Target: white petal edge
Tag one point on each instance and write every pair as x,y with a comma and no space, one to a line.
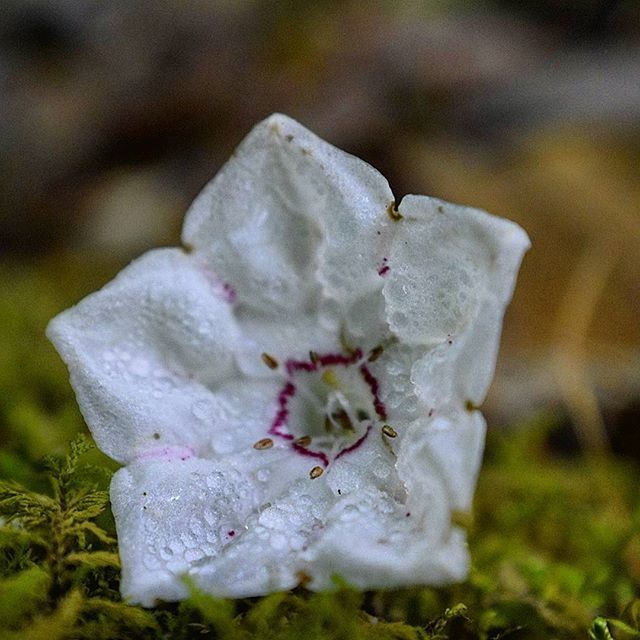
452,274
144,351
283,213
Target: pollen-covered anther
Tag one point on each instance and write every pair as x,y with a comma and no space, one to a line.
389,431
316,472
270,361
303,441
264,443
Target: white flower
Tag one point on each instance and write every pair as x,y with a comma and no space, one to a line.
294,394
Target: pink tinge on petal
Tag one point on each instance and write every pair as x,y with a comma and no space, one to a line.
230,292
220,288
167,454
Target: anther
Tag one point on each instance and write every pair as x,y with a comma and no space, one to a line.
362,415
343,419
270,361
303,441
389,431
314,357
265,443
328,426
316,472
375,353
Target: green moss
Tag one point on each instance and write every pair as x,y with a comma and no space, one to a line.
555,542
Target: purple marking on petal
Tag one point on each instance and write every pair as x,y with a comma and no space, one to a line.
231,533
355,445
230,292
300,365
287,392
372,381
279,425
167,454
332,359
311,454
384,268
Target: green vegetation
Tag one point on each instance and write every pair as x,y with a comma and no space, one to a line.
555,540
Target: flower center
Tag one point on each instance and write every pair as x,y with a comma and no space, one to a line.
328,404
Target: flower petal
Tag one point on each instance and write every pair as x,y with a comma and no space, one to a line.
452,273
172,515
386,529
267,557
286,208
370,541
145,351
448,446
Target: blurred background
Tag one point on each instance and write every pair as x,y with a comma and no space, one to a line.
113,115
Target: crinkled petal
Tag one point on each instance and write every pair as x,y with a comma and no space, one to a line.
452,273
145,351
371,540
289,212
172,515
268,556
449,446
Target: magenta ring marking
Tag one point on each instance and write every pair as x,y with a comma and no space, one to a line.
312,454
372,381
279,424
356,444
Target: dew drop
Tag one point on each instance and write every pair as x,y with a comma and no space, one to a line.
263,475
200,409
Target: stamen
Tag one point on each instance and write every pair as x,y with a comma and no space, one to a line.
328,425
265,443
362,415
375,353
314,357
389,431
304,441
343,419
316,472
270,361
